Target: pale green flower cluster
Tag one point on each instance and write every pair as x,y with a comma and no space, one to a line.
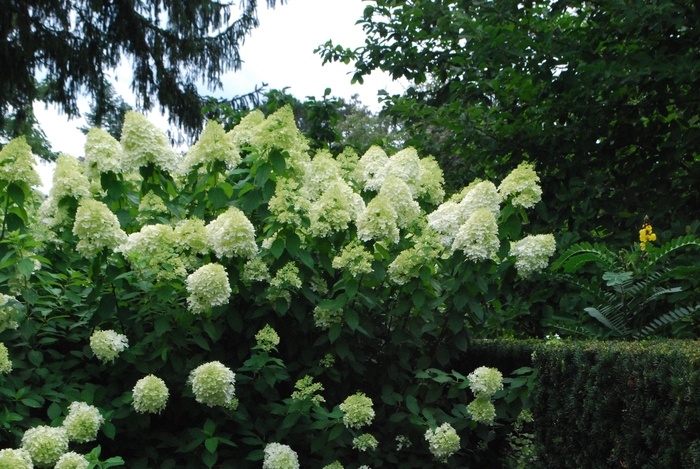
150,207
45,444
523,185
15,459
357,410
485,381
279,456
482,410
5,362
354,258
289,203
370,170
325,318
150,395
400,194
143,144
72,460
96,228
408,263
213,145
402,442
17,163
405,165
335,209
213,384
442,441
431,181
267,338
478,236
103,154
152,251
365,442
446,220
69,179
307,389
7,313
378,221
483,194
279,130
191,235
242,134
255,270
231,235
532,253
83,422
321,172
334,465
107,344
327,361
208,286
287,277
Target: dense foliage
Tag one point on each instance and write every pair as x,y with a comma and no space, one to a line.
253,302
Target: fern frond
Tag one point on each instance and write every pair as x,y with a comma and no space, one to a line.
668,318
669,247
579,254
616,324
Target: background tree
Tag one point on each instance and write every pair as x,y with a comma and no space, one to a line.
55,51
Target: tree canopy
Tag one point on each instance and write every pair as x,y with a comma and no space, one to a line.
75,44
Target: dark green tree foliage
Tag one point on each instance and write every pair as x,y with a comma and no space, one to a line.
107,113
602,96
75,44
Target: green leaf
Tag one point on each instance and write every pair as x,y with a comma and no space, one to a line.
211,444
217,197
26,267
35,357
336,431
334,332
292,243
352,318
109,430
277,248
278,161
412,405
54,411
16,194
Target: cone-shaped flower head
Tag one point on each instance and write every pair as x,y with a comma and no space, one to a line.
213,145
191,235
280,131
289,202
365,442
7,313
400,195
103,154
72,460
231,235
478,236
96,227
249,126
357,410
267,338
213,384
371,169
480,195
405,165
485,381
5,362
106,345
431,181
482,410
69,179
378,221
279,456
354,258
207,287
442,441
143,143
337,207
255,270
15,459
17,163
153,251
532,253
83,422
522,184
446,220
321,172
45,444
150,395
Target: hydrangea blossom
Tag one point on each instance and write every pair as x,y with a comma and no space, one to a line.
72,460
255,270
357,410
103,153
45,444
96,228
485,381
213,145
279,456
402,441
532,253
431,181
17,163
151,251
322,171
15,459
69,179
523,185
213,384
408,263
150,207
307,389
354,258
286,277
191,235
327,361
378,221
478,236
334,465
334,209
83,422
250,125
442,441
371,168
480,195
325,318
365,442
208,286
150,395
267,338
231,235
5,362
446,220
405,165
289,202
143,144
482,410
107,344
7,313
400,195
279,130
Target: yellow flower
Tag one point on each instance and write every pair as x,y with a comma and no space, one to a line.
646,234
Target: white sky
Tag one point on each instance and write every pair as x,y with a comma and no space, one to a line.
279,53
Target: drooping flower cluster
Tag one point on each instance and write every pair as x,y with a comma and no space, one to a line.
143,143
15,459
107,344
357,410
45,444
307,389
208,286
17,163
378,221
443,441
365,442
279,456
96,227
335,209
5,362
267,338
83,422
150,395
478,236
72,460
484,383
532,253
213,384
232,235
523,185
